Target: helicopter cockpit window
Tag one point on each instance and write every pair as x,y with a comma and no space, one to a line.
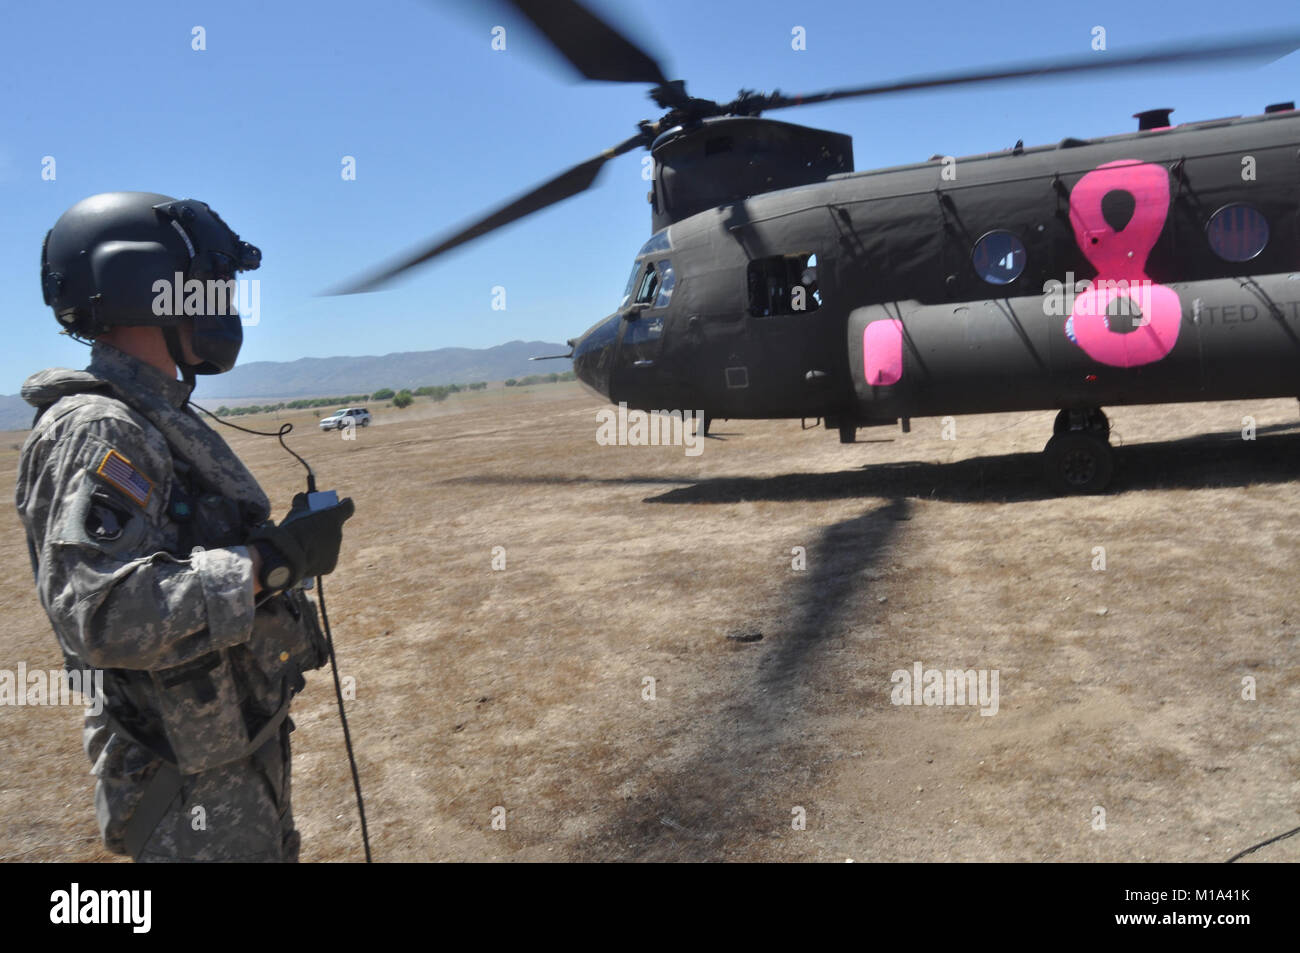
657,243
784,284
630,287
999,257
1237,232
635,281
666,282
648,286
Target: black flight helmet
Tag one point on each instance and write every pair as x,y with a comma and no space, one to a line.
130,258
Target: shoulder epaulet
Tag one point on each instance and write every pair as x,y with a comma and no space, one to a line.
41,410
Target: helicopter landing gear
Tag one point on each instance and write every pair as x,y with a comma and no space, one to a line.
1079,458
1091,419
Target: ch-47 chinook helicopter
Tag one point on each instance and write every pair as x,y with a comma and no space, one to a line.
1157,266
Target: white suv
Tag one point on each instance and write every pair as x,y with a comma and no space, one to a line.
349,416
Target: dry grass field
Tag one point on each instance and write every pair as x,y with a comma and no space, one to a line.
524,688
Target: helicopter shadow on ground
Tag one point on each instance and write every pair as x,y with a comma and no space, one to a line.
1192,463
735,781
1199,462
728,795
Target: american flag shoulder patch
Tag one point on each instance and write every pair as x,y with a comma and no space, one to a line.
117,470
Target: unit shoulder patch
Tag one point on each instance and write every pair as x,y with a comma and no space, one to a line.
118,472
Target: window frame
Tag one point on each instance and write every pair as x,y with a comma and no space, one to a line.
647,292
1209,224
1023,249
761,269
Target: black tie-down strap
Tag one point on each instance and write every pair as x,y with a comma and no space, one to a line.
159,794
167,782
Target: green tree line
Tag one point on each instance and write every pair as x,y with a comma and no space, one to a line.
402,398
541,379
302,404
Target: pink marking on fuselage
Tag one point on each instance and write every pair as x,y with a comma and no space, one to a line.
882,352
1122,257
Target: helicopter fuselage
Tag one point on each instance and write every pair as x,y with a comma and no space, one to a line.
1151,267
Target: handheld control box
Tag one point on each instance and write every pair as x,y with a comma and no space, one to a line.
322,500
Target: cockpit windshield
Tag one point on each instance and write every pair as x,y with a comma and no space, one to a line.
658,244
651,283
631,285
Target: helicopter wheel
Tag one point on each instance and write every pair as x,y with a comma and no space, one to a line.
1078,461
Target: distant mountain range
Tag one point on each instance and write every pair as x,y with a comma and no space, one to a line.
15,413
328,376
339,376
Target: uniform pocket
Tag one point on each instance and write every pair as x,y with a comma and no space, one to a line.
287,638
200,707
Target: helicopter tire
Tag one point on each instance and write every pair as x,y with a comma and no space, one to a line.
1078,462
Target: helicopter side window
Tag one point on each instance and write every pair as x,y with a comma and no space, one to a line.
1237,232
999,257
784,284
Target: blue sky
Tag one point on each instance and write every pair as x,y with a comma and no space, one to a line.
442,128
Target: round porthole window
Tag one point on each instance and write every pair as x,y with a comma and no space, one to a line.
1237,232
999,258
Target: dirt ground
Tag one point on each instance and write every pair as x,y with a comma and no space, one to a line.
1120,690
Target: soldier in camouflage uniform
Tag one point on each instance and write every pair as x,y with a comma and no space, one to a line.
152,549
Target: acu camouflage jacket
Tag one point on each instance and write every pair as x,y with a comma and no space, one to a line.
136,512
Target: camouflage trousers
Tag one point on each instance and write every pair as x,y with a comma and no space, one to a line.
236,813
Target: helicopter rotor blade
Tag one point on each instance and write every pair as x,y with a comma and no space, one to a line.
1192,54
565,185
595,48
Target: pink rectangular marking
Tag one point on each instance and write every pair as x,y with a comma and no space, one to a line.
882,352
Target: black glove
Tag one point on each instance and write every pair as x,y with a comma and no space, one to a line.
308,540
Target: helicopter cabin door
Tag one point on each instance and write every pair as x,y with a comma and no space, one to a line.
794,334
643,328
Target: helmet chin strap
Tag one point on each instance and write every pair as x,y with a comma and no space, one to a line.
173,339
